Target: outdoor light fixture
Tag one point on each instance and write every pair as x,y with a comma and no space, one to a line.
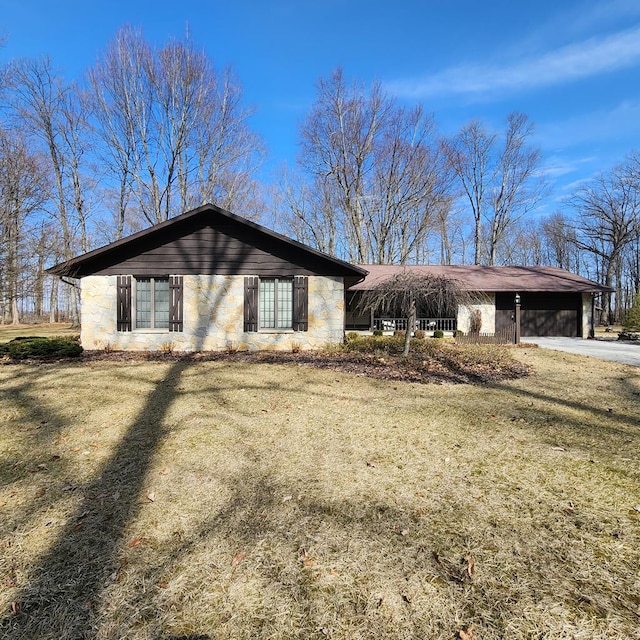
517,298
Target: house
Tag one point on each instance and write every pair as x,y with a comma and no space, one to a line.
210,280
553,302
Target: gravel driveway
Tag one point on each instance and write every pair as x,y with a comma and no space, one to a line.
626,352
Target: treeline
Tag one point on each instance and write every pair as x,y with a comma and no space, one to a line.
151,132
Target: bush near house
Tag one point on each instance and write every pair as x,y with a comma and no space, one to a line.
632,316
39,348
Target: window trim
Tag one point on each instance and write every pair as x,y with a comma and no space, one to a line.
276,281
134,300
300,317
126,308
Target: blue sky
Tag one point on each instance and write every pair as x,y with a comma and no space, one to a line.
572,66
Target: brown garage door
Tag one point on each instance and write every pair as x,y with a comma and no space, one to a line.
542,314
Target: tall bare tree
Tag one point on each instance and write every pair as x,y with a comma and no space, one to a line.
377,168
499,176
174,131
607,220
22,193
47,110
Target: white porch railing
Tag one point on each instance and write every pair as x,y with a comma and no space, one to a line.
424,324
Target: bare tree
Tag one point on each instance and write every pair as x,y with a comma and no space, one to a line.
307,212
607,220
174,133
405,292
22,192
559,239
499,176
376,170
47,110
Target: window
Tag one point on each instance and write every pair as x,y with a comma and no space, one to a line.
276,304
157,303
152,303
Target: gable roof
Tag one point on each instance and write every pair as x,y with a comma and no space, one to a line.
489,279
219,237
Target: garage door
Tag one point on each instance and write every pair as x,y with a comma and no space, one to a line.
542,314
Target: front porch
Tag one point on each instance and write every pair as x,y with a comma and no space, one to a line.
390,324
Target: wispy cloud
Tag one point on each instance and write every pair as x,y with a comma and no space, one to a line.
620,124
572,62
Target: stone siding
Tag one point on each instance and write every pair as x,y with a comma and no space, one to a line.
213,318
486,304
586,314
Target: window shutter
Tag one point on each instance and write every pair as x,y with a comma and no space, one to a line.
175,303
301,303
251,303
124,303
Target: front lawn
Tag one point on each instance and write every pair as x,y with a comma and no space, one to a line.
228,498
59,329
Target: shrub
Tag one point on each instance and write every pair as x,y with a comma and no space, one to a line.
399,333
419,334
438,333
632,316
4,349
377,333
43,348
352,335
375,344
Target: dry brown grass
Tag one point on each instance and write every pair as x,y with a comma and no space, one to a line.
9,331
213,499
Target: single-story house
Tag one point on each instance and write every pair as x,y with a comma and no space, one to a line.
553,302
210,280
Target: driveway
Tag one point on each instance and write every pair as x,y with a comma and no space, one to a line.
628,353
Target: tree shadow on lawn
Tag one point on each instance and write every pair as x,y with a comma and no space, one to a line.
620,424
275,563
59,600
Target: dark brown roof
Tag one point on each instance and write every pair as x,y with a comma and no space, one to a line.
489,279
206,240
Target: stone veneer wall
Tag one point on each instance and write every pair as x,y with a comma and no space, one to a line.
586,314
486,304
213,318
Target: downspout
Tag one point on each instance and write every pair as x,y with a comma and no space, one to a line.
592,325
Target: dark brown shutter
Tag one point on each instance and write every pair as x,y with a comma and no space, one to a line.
301,303
124,303
175,303
251,303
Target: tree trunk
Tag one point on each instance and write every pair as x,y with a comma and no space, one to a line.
53,301
411,323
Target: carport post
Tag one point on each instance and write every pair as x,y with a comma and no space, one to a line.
517,332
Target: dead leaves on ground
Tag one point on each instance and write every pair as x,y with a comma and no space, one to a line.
466,634
461,572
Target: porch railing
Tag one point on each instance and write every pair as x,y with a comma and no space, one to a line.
424,324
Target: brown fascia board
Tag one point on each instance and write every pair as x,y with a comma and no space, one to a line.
73,267
492,279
